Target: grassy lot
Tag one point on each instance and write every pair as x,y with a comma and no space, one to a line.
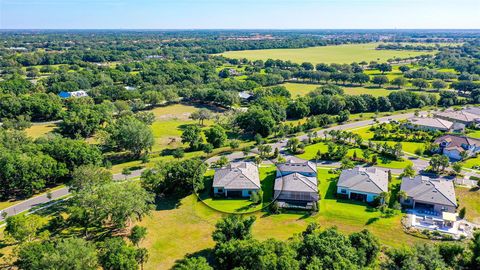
311,151
469,163
342,54
469,198
177,228
302,89
36,131
267,178
474,134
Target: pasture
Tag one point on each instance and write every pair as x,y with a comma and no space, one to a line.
341,54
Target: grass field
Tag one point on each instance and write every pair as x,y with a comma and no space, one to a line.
311,151
237,206
302,89
469,199
474,134
36,131
341,54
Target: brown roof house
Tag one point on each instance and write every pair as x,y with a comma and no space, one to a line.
236,180
362,183
453,146
433,195
296,184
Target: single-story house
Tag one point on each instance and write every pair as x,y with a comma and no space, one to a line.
434,124
453,145
463,117
245,95
74,94
296,184
236,180
425,193
362,183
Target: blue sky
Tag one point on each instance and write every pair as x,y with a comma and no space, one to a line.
239,14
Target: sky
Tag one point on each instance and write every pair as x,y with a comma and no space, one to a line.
239,14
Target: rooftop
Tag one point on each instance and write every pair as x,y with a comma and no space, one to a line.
429,190
242,175
370,180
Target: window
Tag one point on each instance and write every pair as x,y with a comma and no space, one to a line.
406,201
220,190
344,191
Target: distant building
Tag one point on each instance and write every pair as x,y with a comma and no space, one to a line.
296,184
473,110
129,88
434,124
362,184
464,117
424,193
75,94
236,180
453,145
245,95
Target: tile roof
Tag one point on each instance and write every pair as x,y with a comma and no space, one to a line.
426,189
242,175
296,182
457,141
370,180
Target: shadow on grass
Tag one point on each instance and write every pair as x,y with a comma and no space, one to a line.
372,220
167,203
205,253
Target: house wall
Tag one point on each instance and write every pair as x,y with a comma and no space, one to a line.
245,192
410,202
345,191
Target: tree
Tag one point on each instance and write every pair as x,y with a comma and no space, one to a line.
380,80
367,246
293,144
191,135
457,167
198,263
89,176
207,148
307,66
265,150
175,177
420,83
462,213
257,121
233,227
439,162
384,67
201,115
141,256
404,68
234,144
297,109
114,253
439,84
61,254
23,228
408,171
145,117
399,82
137,234
402,195
114,204
347,163
178,153
216,136
130,134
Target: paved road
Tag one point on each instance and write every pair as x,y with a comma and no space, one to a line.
57,194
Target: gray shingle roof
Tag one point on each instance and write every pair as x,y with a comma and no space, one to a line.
473,110
463,115
432,122
292,166
425,189
370,180
242,175
296,182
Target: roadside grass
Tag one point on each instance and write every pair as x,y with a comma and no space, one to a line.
469,198
39,130
311,152
241,205
341,54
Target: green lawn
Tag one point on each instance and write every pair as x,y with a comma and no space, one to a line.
469,163
36,131
469,198
474,134
302,89
341,54
311,151
237,206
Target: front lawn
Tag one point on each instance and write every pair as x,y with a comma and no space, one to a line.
240,205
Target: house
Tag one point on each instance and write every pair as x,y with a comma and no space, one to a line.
296,184
434,124
464,117
428,194
454,145
129,88
75,94
245,95
236,180
473,110
362,183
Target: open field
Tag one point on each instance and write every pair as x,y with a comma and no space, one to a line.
183,227
38,130
341,54
302,89
311,151
239,205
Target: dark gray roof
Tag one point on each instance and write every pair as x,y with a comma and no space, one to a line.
425,189
242,175
296,182
369,180
292,166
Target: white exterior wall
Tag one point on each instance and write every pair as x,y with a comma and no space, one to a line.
370,196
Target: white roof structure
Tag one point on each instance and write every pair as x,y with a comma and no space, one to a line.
242,175
432,122
429,190
364,179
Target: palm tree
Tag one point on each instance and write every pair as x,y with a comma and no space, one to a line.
402,195
384,197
